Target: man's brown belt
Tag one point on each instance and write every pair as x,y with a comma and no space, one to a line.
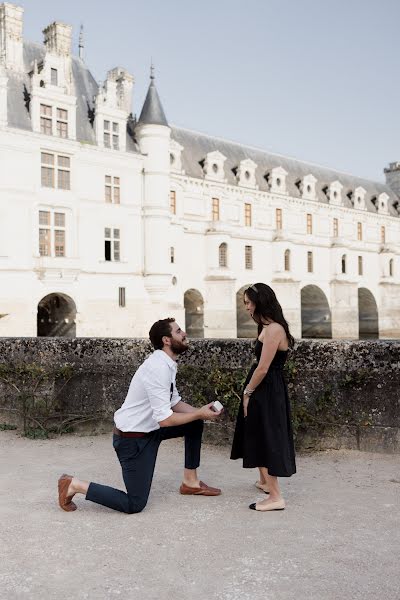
129,434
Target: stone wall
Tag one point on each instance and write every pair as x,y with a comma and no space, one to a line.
343,394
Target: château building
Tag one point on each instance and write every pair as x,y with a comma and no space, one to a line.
108,222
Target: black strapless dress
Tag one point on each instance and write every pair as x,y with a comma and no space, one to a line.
265,437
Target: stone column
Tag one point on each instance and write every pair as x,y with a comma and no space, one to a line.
287,291
344,309
389,310
220,307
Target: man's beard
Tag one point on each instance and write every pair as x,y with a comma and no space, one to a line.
178,347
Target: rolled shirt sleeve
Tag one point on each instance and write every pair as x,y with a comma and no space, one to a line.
157,384
175,395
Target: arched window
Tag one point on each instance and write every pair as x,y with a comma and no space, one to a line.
344,263
223,255
287,260
391,267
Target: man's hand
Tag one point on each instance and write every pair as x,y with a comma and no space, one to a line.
207,414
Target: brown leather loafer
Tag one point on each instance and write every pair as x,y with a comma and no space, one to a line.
65,501
203,490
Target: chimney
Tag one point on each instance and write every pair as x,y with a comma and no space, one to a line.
11,42
58,38
392,173
124,87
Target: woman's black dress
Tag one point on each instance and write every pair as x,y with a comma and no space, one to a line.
265,438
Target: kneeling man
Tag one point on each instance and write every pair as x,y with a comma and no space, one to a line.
152,412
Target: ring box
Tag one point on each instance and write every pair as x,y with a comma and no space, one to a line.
217,406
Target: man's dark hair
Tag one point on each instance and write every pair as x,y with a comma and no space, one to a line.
158,330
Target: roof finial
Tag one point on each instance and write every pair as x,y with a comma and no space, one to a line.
81,43
152,77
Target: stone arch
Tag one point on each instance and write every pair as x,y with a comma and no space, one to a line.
56,316
194,313
245,326
368,324
316,321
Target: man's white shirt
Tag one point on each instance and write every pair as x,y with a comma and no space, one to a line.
149,398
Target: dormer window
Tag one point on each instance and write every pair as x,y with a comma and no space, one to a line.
175,154
383,203
213,166
46,121
246,173
307,187
359,198
53,76
276,180
334,193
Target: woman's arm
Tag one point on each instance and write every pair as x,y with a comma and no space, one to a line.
271,338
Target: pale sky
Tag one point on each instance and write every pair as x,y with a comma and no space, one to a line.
317,80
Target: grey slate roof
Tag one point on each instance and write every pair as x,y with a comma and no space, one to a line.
85,90
198,145
152,111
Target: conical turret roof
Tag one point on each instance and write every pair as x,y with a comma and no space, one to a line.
152,111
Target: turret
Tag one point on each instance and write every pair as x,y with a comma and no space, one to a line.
153,136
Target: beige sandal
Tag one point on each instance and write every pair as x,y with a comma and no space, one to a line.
262,486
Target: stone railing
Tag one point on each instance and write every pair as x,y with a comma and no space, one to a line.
343,394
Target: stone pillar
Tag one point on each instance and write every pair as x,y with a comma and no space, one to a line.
389,310
289,297
344,309
220,307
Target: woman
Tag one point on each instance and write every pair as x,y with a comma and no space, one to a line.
263,435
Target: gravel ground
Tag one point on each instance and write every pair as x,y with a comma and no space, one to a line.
339,537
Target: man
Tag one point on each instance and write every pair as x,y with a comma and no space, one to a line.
152,412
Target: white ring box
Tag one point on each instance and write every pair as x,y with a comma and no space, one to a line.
217,406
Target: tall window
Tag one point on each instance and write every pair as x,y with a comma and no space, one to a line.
310,265
60,128
215,209
172,202
172,254
335,227
344,263
223,255
54,77
247,215
112,189
51,233
121,297
46,119
278,218
111,244
62,123
309,223
391,267
360,265
383,234
359,231
287,260
248,257
111,134
55,171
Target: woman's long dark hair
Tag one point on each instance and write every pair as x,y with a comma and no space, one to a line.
267,307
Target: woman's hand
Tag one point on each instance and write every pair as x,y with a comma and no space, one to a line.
246,399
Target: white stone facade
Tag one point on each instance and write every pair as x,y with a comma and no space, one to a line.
142,220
